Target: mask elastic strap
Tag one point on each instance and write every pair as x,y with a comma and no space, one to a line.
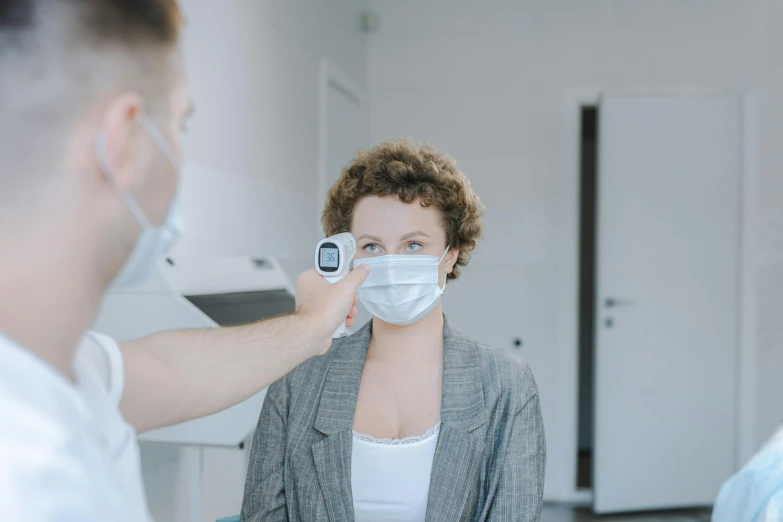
160,140
101,148
444,254
439,262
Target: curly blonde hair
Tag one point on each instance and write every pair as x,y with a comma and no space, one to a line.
411,171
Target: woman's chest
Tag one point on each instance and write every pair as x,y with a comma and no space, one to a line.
398,402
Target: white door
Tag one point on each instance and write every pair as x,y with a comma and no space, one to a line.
668,272
346,129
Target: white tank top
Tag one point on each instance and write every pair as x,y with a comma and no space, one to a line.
390,478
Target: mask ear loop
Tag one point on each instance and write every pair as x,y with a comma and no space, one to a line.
444,254
439,262
160,140
157,137
101,153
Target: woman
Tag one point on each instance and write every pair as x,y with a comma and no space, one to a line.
405,420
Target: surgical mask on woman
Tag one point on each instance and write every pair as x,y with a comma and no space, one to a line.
154,241
401,289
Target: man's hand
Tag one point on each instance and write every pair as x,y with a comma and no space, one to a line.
325,306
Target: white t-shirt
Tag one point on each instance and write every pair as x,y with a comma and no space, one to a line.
390,478
66,452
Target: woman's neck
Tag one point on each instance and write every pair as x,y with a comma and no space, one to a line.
420,341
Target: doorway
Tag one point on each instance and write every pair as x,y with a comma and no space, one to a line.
588,167
662,165
666,308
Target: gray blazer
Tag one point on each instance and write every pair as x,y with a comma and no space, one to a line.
489,460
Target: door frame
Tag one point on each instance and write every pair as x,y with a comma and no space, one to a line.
330,76
564,487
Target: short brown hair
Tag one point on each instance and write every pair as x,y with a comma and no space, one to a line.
107,21
58,57
410,171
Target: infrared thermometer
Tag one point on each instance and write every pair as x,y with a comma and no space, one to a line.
333,260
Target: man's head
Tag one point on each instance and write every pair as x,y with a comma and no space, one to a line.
71,70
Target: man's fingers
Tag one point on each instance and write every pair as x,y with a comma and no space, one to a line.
356,277
307,276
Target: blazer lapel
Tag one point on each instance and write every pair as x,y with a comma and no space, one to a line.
459,453
333,465
336,410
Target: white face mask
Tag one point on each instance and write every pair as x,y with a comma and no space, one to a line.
401,289
154,241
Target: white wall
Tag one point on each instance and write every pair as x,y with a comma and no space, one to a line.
253,72
488,82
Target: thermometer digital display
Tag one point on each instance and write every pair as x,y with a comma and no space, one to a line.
333,259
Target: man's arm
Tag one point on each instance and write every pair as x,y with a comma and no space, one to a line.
174,376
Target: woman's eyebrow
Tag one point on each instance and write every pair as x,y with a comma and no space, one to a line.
367,236
414,234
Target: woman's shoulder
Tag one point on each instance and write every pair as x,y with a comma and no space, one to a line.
312,372
504,366
505,376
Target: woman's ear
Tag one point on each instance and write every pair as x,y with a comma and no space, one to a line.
451,259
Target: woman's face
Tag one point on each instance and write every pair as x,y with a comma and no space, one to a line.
385,226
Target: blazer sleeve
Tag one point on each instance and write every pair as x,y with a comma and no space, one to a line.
521,483
264,499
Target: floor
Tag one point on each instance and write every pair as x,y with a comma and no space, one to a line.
565,513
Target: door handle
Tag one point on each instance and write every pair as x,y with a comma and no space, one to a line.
612,302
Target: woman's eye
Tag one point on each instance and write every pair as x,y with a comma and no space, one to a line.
371,248
413,247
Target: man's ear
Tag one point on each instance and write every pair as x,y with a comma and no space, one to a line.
120,131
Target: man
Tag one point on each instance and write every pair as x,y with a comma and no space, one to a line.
92,101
